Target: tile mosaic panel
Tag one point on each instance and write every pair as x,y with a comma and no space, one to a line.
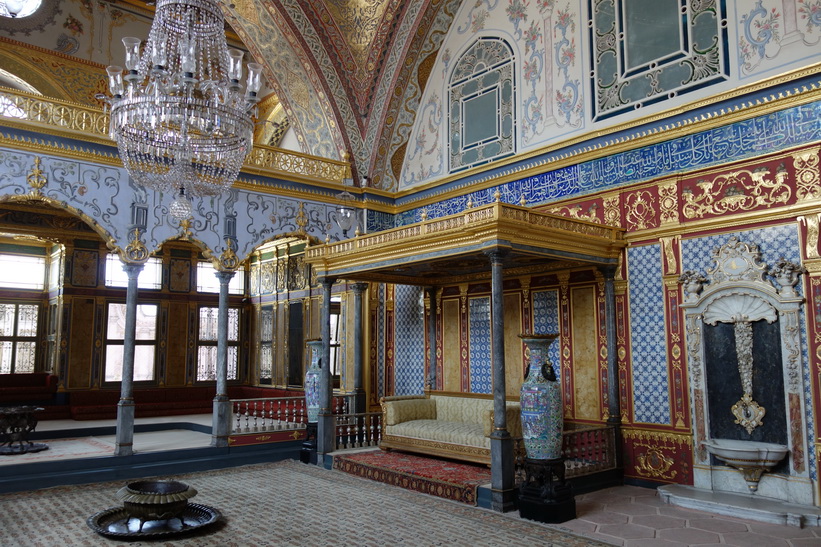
480,345
774,242
546,321
409,351
651,394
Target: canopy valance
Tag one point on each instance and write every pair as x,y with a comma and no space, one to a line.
453,249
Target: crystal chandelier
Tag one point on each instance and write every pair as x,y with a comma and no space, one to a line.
179,115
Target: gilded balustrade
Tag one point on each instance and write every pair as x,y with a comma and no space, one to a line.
32,112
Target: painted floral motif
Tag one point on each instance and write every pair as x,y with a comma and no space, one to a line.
517,13
73,25
811,11
759,28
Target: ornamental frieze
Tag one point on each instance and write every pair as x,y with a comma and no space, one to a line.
737,192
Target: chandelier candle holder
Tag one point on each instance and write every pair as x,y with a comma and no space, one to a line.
179,114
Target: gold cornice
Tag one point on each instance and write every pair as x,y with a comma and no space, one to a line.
674,437
751,109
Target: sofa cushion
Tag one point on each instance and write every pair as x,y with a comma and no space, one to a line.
410,409
461,409
513,415
460,433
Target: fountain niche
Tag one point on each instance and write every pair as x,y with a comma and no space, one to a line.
746,382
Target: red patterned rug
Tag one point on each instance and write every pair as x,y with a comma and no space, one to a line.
443,478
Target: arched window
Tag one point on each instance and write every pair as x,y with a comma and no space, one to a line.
482,99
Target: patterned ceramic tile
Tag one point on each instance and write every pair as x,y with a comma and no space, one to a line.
649,351
480,362
409,353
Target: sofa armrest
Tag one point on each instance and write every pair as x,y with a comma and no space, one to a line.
404,409
513,414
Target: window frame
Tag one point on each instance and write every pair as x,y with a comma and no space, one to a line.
209,343
16,338
108,341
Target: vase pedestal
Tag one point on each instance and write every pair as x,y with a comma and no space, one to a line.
545,496
308,452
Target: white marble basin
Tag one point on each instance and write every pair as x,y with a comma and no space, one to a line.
752,458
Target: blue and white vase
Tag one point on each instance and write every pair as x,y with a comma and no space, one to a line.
541,402
312,376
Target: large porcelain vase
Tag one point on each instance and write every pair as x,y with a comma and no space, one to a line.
312,376
541,401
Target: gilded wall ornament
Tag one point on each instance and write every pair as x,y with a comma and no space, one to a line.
654,463
668,203
228,260
135,252
807,175
36,178
640,210
736,192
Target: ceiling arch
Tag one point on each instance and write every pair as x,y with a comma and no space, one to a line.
348,73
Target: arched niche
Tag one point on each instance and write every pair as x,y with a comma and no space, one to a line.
745,364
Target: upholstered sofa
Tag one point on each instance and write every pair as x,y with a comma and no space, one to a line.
452,425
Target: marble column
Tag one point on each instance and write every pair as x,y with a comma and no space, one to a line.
326,425
432,380
124,442
360,403
502,465
221,424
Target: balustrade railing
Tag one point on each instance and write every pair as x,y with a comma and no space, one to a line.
256,415
358,430
586,449
277,413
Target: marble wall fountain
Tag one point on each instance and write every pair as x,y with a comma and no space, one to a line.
746,382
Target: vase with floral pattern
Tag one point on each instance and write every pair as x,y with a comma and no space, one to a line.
312,376
541,401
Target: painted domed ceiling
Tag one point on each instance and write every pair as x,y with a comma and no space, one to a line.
349,73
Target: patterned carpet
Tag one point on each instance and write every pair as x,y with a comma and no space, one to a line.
434,476
285,503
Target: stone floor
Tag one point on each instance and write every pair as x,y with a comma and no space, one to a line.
633,517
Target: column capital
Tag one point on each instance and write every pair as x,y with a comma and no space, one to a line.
225,276
497,254
360,287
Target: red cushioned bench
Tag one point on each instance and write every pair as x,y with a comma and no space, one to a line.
170,401
33,388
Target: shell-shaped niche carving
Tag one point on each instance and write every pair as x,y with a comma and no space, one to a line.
733,308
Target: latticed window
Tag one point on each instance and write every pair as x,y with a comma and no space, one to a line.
18,337
207,344
266,343
145,342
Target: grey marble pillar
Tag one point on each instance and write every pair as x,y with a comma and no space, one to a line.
432,380
360,404
502,465
221,422
326,425
124,442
